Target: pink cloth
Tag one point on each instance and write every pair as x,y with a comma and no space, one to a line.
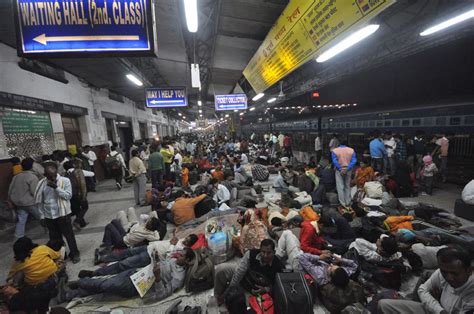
344,155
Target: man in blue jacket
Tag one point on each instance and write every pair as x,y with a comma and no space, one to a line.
377,151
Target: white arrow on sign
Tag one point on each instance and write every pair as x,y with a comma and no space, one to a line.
43,39
165,101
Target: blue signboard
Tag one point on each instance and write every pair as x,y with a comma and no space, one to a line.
166,97
74,27
230,102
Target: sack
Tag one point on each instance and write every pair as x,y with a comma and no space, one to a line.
373,189
261,305
8,212
200,275
256,232
112,162
292,294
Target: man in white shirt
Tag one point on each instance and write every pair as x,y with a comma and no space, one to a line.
91,158
221,193
390,145
318,147
450,289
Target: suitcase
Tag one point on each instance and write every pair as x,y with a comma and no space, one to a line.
292,294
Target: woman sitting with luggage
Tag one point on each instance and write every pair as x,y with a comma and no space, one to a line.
253,231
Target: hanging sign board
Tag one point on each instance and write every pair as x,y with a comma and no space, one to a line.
166,97
304,30
84,27
230,102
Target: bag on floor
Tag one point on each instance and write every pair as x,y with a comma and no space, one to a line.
204,206
200,275
292,294
262,304
373,189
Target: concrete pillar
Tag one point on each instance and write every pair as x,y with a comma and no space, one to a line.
58,131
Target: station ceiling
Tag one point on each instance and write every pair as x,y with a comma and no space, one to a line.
230,31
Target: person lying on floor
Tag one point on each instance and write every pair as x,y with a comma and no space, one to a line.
450,289
311,240
33,277
126,231
342,235
169,277
255,273
141,256
182,210
386,249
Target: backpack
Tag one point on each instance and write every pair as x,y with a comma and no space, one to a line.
200,275
112,162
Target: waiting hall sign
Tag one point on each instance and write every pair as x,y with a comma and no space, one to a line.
166,97
83,27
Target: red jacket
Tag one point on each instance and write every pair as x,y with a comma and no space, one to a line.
286,141
310,241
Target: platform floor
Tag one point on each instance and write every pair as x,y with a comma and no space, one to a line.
107,201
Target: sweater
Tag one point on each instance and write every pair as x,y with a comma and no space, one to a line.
310,241
343,157
183,209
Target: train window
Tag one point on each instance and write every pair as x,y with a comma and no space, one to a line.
396,122
455,121
372,123
405,122
348,125
469,120
379,123
441,121
416,122
366,123
359,124
428,121
388,123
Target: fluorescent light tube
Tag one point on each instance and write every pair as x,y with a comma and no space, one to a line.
271,100
453,21
252,109
348,42
258,96
191,12
134,79
199,103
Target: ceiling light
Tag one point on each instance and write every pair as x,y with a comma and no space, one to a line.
236,110
199,103
191,12
319,106
252,109
453,21
242,113
179,114
258,96
348,42
271,100
134,79
227,115
184,117
354,105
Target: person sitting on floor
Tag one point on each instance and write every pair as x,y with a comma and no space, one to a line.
450,289
326,174
169,277
363,174
284,180
126,231
260,261
33,277
310,238
183,208
260,171
221,193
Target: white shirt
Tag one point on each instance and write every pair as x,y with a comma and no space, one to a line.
390,146
281,137
317,144
222,195
244,159
119,157
179,158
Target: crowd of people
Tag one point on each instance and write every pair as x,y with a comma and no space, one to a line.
335,218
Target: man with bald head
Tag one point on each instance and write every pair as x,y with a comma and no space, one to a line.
52,197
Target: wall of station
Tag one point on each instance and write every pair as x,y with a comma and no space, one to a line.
88,109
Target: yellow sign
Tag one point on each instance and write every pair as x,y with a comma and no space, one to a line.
300,34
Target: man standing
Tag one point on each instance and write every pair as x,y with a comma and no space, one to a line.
157,167
443,144
318,147
52,196
91,158
377,151
21,193
344,159
138,171
390,146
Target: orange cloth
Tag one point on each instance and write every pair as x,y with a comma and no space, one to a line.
16,169
393,223
184,177
364,175
183,209
218,174
309,214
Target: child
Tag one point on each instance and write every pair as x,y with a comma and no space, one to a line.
427,175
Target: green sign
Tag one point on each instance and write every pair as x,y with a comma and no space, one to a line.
25,122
